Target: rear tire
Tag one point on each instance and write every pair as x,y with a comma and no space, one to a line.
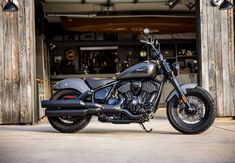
68,124
196,121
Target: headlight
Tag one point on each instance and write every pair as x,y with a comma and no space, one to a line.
175,68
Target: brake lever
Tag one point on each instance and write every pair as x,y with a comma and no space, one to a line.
143,41
146,42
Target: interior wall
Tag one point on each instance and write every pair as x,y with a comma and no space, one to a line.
59,51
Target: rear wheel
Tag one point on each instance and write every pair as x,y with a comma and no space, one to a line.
68,124
199,118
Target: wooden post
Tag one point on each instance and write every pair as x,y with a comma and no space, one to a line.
1,64
216,51
17,64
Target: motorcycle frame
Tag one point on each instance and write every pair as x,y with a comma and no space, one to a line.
113,84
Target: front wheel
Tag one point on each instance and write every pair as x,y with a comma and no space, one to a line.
199,118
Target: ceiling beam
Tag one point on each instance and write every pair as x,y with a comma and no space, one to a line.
157,25
77,8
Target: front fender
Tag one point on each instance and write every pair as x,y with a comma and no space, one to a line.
184,88
72,83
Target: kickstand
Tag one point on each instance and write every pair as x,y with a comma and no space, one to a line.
142,125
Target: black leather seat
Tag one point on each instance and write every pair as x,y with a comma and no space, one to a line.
94,83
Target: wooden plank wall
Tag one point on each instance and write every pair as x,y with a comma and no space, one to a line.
216,44
17,64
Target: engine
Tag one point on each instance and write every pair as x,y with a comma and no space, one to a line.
139,95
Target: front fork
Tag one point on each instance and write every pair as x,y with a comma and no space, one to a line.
170,75
181,94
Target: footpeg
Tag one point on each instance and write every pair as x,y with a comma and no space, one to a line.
142,125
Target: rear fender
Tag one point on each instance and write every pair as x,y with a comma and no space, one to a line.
184,88
72,83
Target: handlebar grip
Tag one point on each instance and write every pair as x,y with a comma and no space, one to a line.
143,41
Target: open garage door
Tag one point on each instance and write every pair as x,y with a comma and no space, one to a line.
100,38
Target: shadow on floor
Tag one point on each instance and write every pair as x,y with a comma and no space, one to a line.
88,130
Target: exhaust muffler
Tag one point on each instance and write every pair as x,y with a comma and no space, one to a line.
81,108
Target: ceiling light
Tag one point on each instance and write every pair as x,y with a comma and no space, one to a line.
10,6
223,4
226,5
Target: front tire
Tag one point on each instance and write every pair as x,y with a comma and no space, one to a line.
68,124
196,121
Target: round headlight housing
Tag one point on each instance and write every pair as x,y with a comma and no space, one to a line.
175,67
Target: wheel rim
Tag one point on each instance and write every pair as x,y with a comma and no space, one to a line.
195,115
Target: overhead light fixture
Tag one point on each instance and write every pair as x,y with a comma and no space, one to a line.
226,5
10,6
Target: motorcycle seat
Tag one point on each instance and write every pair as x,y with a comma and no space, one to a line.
95,83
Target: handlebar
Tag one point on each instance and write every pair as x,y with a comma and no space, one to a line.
146,42
150,40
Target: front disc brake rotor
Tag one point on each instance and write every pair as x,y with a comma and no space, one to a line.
196,113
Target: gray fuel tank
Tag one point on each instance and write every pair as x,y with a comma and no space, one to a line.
145,69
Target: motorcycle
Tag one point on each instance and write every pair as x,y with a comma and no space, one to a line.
132,98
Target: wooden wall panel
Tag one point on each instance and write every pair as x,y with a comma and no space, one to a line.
211,50
42,58
204,60
7,51
217,55
1,63
224,68
17,64
14,71
27,72
231,60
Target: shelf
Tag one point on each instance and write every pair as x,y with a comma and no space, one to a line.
169,57
186,56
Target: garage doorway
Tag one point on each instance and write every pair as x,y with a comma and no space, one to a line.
76,37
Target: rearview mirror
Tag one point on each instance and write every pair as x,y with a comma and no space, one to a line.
146,31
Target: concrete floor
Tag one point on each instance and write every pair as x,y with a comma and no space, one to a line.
109,143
